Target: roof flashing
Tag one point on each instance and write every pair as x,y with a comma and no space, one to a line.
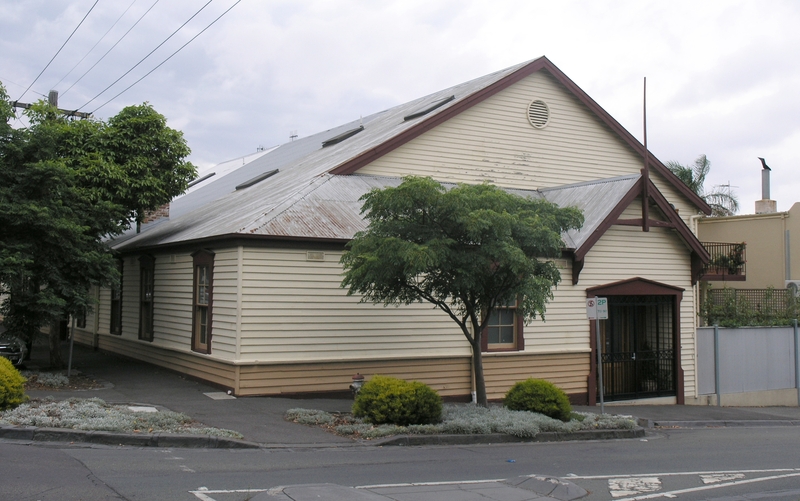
428,107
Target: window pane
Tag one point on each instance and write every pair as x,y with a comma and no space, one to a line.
493,335
507,334
507,317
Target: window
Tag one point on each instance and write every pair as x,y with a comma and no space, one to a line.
504,330
202,300
146,290
80,319
115,326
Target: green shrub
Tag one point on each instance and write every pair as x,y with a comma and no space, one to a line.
538,395
394,401
12,386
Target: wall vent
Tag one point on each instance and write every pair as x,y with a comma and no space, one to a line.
538,113
315,256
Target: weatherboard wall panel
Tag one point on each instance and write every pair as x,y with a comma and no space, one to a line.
186,362
449,376
224,306
627,252
493,140
295,310
172,301
567,371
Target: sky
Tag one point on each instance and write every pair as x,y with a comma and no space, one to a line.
723,77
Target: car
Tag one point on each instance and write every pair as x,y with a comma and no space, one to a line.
13,348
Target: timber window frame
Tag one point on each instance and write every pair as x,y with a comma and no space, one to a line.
115,317
504,320
202,300
147,268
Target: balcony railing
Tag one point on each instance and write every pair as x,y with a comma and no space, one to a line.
728,261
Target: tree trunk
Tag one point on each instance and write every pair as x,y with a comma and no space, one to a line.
480,383
56,362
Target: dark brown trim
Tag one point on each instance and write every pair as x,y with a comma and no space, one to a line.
202,257
638,286
147,266
233,239
115,305
610,219
638,222
539,64
674,221
519,337
577,267
367,157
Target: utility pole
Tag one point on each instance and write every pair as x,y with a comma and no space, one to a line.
52,98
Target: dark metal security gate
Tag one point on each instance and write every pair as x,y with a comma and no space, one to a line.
638,352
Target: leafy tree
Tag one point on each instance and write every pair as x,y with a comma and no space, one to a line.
722,202
65,186
466,250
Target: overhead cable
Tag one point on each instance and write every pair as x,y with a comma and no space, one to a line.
93,46
167,59
59,50
145,57
112,48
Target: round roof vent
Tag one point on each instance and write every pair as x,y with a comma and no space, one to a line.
538,113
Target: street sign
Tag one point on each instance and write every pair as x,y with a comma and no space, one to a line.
591,308
602,308
597,308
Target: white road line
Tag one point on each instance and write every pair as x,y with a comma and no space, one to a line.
673,474
414,484
202,493
708,487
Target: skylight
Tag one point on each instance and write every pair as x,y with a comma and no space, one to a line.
257,179
341,137
427,108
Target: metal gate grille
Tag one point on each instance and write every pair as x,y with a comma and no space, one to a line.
638,352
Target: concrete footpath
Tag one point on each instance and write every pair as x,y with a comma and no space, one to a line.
260,421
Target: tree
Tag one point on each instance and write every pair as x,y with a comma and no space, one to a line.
722,202
466,250
65,187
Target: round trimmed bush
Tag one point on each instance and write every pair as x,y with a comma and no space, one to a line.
387,400
538,395
12,386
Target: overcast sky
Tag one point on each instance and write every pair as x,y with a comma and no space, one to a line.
723,77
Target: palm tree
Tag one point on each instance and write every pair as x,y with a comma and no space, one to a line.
721,201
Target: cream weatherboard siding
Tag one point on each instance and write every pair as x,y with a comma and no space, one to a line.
625,252
494,141
294,310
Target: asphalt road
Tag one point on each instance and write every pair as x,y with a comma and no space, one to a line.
749,463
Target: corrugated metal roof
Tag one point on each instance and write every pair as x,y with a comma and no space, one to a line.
217,209
302,200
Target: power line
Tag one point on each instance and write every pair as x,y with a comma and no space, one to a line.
95,45
167,59
59,50
4,80
112,48
148,55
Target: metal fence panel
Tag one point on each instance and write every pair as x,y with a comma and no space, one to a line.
751,359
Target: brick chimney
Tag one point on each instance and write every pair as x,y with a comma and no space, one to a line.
159,213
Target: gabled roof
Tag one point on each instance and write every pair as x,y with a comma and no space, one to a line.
307,171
